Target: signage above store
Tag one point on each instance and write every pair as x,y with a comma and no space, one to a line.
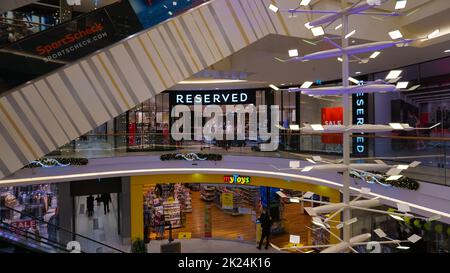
360,117
217,97
237,179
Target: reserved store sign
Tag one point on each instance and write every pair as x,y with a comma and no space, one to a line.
217,97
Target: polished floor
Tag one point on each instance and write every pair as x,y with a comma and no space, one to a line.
241,227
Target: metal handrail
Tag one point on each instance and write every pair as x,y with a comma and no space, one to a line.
43,240
63,229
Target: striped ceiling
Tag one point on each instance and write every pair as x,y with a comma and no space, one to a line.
44,114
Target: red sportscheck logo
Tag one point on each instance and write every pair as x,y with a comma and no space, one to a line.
68,39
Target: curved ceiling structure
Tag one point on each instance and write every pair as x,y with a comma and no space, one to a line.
48,112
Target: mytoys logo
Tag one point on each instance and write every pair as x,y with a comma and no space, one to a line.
237,179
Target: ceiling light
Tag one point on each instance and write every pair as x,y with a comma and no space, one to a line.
308,194
414,87
306,85
317,127
273,8
375,54
402,85
402,167
447,51
340,59
307,169
357,72
317,31
400,4
305,2
294,200
293,53
403,207
393,171
281,194
274,87
338,27
393,74
433,34
394,177
396,34
350,34
308,26
396,126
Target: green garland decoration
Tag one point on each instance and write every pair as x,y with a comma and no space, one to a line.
404,182
72,161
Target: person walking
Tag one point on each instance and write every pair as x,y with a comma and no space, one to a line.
266,224
106,199
90,205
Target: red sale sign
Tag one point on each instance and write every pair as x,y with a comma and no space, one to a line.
24,224
332,116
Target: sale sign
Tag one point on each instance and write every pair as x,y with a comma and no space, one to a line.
23,225
332,116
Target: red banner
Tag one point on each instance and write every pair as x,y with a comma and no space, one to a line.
132,134
332,116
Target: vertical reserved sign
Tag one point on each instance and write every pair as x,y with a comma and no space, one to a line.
360,117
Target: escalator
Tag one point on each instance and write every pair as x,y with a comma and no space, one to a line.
68,95
22,232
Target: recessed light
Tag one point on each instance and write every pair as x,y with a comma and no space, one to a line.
402,85
447,51
293,53
305,2
396,34
306,85
393,74
274,87
273,8
400,4
317,31
375,54
357,73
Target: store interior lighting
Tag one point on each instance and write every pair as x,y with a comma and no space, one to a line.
274,87
306,84
375,54
433,34
293,53
317,31
402,85
305,2
273,8
350,34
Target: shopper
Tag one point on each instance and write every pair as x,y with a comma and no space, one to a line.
52,227
106,199
266,224
90,205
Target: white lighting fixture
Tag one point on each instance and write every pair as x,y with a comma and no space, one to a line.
310,161
393,74
380,233
393,171
414,238
216,81
415,164
317,31
394,177
317,127
433,34
294,200
400,4
351,221
396,217
403,207
308,26
273,8
305,2
365,190
306,85
294,127
357,72
350,34
317,158
375,54
340,59
294,164
403,247
447,51
307,169
396,126
338,27
434,218
308,194
402,167
396,34
415,87
274,87
353,80
293,53
402,85
281,194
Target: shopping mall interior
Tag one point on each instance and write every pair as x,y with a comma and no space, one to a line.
218,126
